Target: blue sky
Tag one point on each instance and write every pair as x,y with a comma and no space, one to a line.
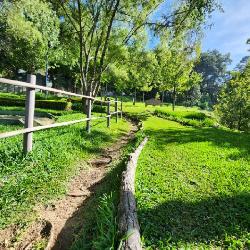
229,31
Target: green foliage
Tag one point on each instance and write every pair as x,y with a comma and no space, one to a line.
234,101
213,68
45,104
107,224
192,187
26,28
175,65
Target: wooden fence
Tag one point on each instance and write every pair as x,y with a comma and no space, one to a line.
28,130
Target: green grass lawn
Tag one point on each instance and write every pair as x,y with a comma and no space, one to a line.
26,181
192,187
190,116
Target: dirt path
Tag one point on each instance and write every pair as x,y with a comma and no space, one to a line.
60,222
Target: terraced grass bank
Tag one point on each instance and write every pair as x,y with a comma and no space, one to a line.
193,187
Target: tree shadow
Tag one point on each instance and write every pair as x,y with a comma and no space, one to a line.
219,137
205,221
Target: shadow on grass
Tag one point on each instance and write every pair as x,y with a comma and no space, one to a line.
206,221
219,137
80,229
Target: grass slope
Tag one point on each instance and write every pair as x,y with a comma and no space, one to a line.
42,175
190,116
192,187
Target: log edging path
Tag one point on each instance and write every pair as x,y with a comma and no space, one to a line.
128,224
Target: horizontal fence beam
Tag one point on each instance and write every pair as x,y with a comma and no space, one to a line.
32,86
55,125
30,106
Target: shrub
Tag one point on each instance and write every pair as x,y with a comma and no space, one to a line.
196,116
46,104
77,105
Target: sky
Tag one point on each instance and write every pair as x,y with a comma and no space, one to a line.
229,29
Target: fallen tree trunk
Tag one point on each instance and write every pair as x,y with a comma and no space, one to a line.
128,224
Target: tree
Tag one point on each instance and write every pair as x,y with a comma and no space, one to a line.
233,106
242,64
27,28
175,64
213,68
141,72
103,28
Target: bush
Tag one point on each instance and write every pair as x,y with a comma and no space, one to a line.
77,105
196,116
61,104
46,104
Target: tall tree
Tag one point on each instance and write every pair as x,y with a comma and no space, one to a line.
102,28
234,101
175,64
213,68
27,28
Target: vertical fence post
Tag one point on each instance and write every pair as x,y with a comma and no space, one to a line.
89,113
108,113
116,109
121,107
101,101
29,114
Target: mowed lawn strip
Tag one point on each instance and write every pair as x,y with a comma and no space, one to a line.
42,175
192,187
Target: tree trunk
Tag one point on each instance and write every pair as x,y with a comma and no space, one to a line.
134,100
240,118
84,105
162,98
143,97
174,98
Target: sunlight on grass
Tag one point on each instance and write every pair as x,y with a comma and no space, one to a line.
192,187
43,174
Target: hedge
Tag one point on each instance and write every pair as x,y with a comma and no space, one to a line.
46,104
50,104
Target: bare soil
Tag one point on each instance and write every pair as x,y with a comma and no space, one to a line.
58,224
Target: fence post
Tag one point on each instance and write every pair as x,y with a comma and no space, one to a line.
121,107
116,109
29,114
108,113
101,102
89,113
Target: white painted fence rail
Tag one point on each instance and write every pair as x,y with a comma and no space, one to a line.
30,107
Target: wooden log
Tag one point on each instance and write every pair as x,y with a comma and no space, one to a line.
128,224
